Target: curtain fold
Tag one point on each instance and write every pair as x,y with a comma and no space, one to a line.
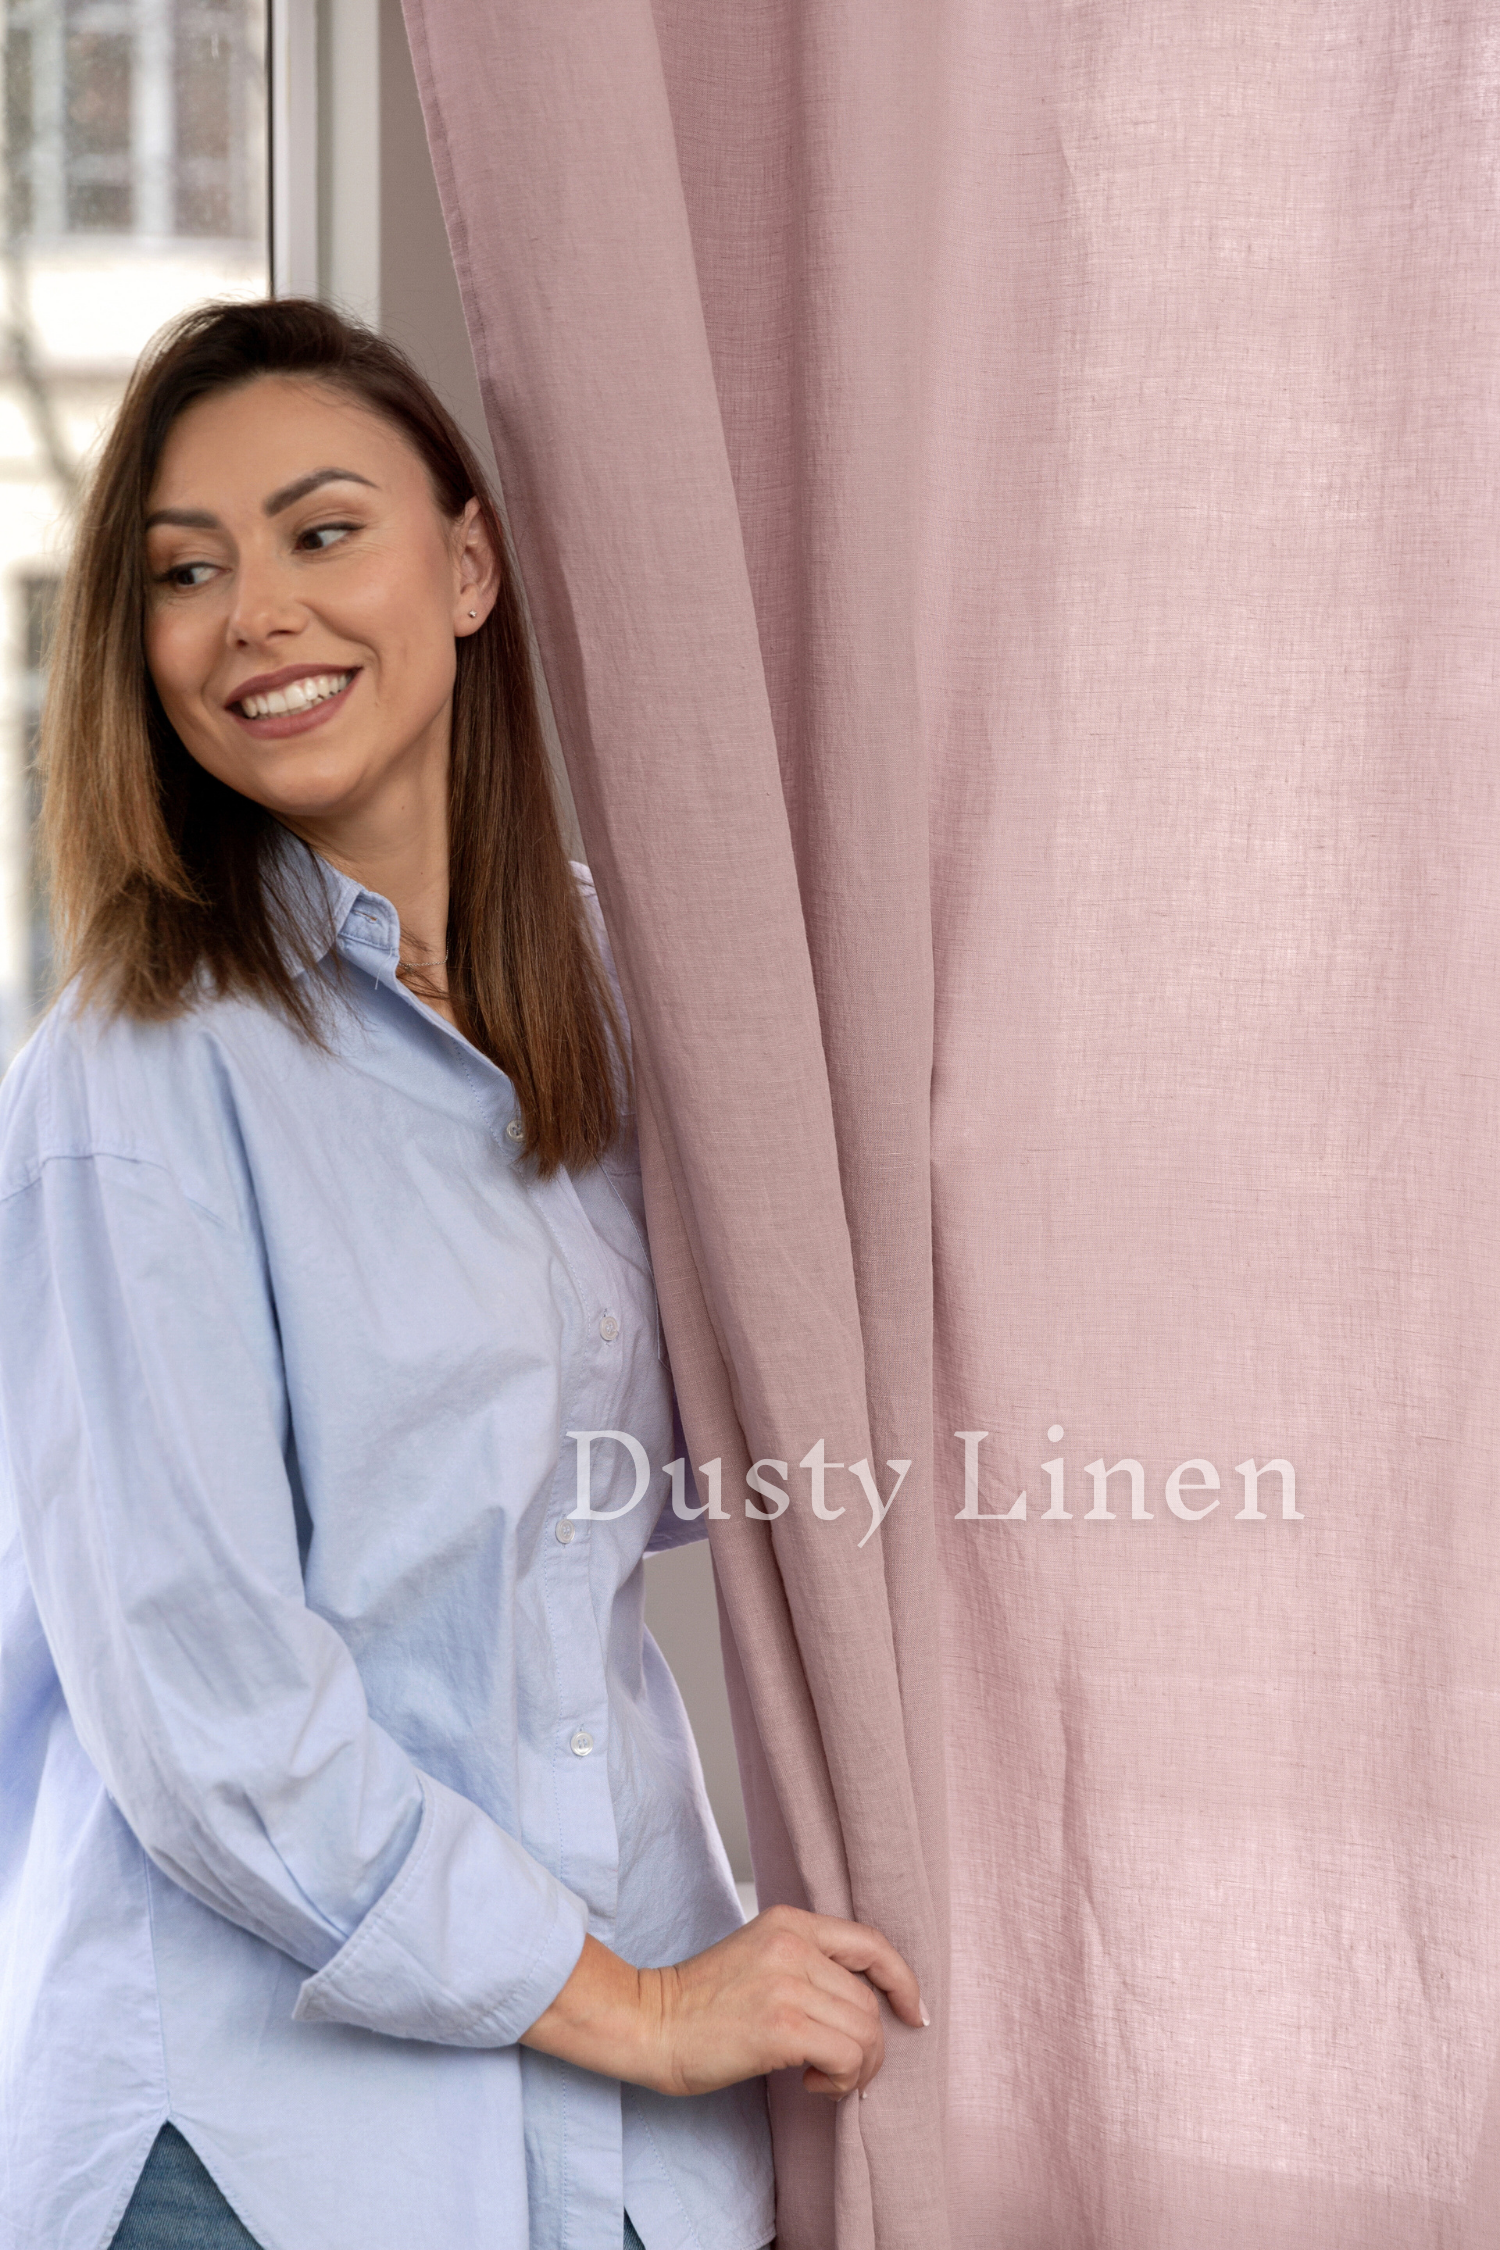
556,159
1007,499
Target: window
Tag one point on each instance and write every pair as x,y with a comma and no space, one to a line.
134,181
36,607
135,117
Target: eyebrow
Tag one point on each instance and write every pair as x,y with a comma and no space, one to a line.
199,519
304,485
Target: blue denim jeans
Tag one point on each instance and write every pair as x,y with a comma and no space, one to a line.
177,2207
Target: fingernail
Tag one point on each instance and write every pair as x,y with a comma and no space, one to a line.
926,2018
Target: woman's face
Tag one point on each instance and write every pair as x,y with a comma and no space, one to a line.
305,595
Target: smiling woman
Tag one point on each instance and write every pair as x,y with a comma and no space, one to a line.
353,576
311,512
356,1871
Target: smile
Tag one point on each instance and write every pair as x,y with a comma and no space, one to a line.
298,695
294,707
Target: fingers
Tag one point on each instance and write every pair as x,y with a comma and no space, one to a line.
789,1989
841,2063
858,1948
843,2041
843,2057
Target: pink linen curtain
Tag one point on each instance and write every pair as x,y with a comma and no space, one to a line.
1010,503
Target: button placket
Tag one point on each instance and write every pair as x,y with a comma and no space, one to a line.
594,1260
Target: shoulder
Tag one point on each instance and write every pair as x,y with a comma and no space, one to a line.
69,1091
93,1083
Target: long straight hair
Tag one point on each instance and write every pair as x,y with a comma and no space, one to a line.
164,878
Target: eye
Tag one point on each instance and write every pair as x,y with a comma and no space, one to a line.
181,575
324,535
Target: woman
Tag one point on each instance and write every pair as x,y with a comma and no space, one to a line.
359,1884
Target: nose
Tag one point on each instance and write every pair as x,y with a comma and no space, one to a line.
265,606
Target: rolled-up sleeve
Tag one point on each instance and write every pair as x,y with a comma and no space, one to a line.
145,1441
413,1965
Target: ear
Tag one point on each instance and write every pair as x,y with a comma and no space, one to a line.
476,571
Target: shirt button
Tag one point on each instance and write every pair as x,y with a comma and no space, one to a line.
581,1744
515,1130
564,1532
609,1328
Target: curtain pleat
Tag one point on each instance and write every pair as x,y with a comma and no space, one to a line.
556,159
1008,502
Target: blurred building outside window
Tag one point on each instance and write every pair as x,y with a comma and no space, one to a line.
134,183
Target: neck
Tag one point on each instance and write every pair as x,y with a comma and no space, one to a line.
396,845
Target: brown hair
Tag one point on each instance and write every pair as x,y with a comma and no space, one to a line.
161,874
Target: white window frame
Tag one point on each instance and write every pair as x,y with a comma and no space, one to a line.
324,105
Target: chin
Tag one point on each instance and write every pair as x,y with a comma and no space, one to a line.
300,795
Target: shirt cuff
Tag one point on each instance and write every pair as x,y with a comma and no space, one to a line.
470,1943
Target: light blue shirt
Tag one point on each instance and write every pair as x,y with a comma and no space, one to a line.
325,1731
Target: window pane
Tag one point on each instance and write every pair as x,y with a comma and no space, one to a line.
38,606
217,76
19,100
98,130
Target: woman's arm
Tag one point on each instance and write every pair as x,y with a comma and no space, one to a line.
144,1424
783,1992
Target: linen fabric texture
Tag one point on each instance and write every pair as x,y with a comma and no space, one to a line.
1007,501
323,1751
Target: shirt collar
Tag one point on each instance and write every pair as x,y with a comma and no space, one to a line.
317,907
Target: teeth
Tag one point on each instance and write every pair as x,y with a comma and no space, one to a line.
298,695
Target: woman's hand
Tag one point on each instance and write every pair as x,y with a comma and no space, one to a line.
788,1989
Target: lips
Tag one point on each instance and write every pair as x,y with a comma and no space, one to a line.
297,695
283,705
